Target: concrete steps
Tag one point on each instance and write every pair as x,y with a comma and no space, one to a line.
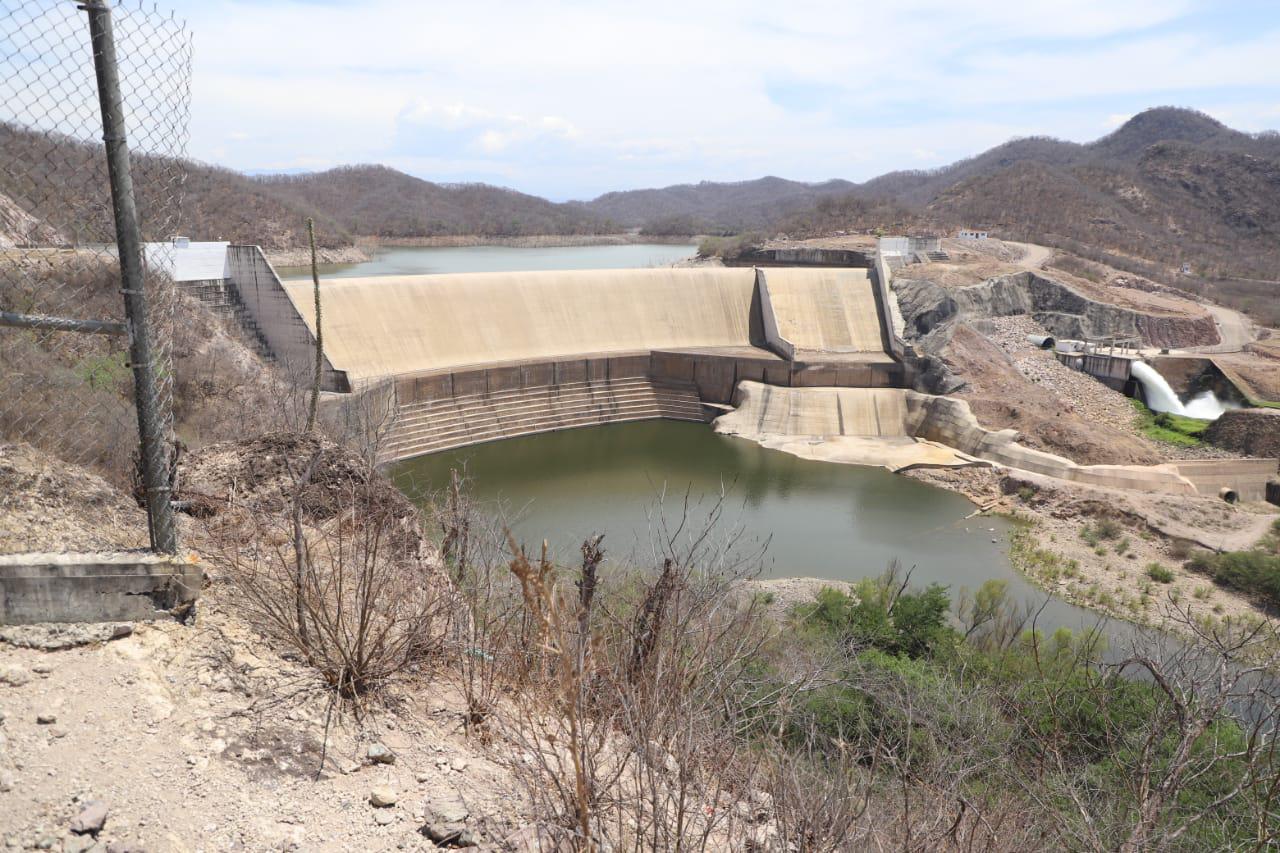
432,426
222,298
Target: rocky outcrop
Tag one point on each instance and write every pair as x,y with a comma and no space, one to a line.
19,228
1064,312
1252,431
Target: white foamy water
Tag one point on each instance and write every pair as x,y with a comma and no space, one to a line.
1162,398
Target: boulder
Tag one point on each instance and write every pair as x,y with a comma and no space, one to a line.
91,818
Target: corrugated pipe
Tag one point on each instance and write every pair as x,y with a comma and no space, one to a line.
1042,341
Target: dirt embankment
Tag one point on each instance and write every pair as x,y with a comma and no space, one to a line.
47,505
1252,431
1002,395
301,256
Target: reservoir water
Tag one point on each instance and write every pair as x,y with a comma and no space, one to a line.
415,260
818,519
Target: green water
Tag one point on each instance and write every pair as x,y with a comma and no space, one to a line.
813,519
412,260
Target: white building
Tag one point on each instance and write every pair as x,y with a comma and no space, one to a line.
969,234
188,261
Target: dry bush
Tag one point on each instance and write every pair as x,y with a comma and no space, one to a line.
67,393
339,578
635,696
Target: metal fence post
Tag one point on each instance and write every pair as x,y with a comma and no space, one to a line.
151,420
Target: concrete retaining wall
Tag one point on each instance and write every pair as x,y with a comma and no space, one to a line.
1248,477
1116,372
887,304
803,256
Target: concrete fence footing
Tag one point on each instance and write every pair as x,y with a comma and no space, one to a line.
95,587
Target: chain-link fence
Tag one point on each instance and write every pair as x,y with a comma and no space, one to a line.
86,309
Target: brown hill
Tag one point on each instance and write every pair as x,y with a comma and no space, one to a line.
1169,186
710,207
59,183
382,202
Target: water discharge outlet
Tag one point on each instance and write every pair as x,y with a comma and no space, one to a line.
1161,397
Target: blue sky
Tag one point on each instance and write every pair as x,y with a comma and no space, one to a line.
573,98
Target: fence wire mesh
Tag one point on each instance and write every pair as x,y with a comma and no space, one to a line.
68,393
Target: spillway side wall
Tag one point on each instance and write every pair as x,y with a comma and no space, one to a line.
769,319
273,313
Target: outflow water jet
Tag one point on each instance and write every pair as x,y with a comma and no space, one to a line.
1161,397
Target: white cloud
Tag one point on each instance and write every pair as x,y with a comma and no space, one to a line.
571,98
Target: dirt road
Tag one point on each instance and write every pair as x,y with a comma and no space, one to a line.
1034,256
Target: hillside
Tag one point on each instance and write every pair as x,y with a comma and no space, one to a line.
1169,186
52,191
59,183
382,202
712,207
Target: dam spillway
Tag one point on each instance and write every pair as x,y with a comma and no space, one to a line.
474,357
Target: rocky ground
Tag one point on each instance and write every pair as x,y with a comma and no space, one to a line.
1252,431
209,737
48,506
1094,546
1010,383
198,739
201,737
1082,396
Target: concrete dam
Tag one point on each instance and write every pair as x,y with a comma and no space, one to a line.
474,357
801,358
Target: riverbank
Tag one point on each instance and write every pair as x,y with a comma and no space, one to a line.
301,257
1121,554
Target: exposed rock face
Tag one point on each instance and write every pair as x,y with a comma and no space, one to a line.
19,228
955,358
1062,311
1252,431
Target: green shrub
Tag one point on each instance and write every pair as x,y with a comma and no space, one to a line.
912,623
1201,561
1254,572
1107,528
1171,429
1159,573
1122,546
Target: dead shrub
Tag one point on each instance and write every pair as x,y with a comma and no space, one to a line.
347,589
636,694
